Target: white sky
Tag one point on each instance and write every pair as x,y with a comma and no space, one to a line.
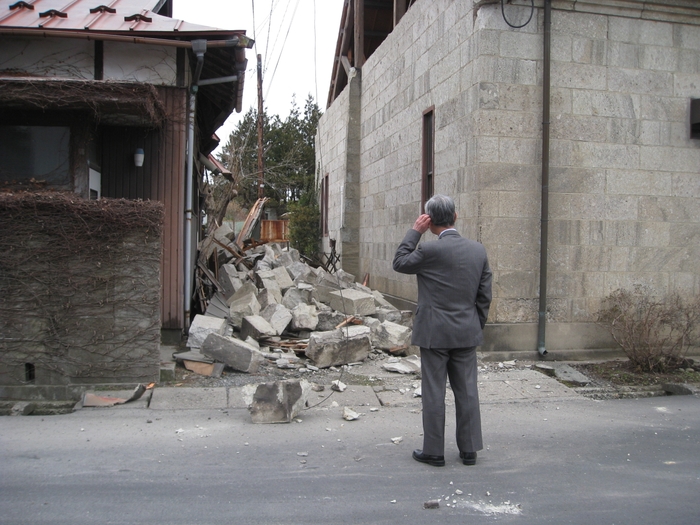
296,39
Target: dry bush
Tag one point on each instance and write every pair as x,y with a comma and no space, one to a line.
654,332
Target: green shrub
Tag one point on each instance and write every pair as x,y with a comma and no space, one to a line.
654,332
305,222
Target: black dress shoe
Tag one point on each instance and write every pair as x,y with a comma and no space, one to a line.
435,461
468,458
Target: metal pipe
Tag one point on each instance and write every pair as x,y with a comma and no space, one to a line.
544,213
199,47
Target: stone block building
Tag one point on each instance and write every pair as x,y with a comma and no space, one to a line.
562,129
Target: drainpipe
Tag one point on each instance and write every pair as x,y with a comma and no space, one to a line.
544,214
199,47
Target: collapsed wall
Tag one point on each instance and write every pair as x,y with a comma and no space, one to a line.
79,293
271,305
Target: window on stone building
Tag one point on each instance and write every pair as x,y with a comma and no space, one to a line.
427,156
324,205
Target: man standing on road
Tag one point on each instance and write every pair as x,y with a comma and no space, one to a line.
454,295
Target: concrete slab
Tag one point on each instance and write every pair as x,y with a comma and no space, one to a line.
567,373
355,396
519,385
394,398
171,398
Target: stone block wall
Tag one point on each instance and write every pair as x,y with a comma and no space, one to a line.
624,182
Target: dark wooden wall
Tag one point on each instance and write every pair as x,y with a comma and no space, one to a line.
162,178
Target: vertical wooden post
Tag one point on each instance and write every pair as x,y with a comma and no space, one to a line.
261,161
359,53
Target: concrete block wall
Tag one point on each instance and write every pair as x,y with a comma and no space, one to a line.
624,181
331,160
426,62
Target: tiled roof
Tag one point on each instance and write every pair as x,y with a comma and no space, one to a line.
94,15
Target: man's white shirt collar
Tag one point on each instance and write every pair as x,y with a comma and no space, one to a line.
447,230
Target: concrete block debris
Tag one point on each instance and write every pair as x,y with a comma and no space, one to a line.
233,352
403,365
279,402
337,347
276,310
201,327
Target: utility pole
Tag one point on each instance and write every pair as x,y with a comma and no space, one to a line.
261,161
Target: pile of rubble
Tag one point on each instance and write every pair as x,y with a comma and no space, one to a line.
286,313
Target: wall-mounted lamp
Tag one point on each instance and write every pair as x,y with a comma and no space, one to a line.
138,157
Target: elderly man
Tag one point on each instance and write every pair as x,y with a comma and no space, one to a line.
454,295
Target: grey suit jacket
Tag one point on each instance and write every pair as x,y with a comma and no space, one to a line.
454,289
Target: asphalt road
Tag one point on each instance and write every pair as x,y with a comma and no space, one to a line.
572,461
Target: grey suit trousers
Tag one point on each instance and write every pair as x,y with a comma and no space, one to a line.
459,364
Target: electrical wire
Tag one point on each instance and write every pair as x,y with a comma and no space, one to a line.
284,45
532,11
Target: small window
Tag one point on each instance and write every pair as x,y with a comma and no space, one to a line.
428,156
695,118
41,153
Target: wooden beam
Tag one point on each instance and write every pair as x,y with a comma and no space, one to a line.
346,64
359,51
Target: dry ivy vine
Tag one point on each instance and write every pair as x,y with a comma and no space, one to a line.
77,293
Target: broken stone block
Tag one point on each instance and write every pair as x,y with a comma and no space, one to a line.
390,335
406,365
268,260
287,258
233,352
353,302
306,290
304,317
345,276
267,296
248,288
229,279
299,271
201,327
278,275
256,327
279,402
322,293
293,298
328,319
388,314
349,414
345,345
320,277
244,305
381,301
278,316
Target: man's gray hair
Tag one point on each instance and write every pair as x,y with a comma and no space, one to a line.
441,209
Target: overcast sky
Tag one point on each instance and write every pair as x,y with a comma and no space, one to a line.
296,39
